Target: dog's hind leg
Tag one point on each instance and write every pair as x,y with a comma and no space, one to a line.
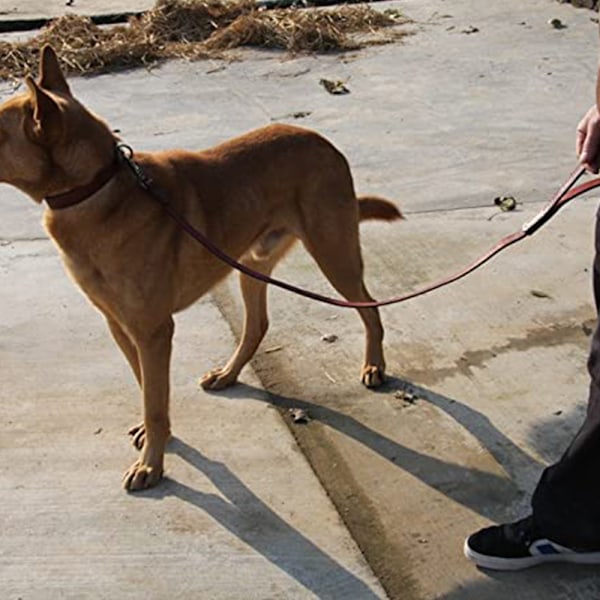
262,258
336,250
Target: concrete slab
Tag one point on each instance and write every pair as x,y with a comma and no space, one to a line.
443,123
241,513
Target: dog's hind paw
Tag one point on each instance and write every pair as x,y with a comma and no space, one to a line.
138,435
372,376
141,476
217,379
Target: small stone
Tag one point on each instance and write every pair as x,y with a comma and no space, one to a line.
299,415
557,24
329,338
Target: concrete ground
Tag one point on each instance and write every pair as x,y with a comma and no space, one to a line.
36,9
255,506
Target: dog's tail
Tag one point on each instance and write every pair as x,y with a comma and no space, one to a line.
371,207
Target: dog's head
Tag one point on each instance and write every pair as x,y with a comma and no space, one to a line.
49,142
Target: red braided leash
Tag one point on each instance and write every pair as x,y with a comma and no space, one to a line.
566,193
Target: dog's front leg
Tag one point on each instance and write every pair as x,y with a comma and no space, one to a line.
154,351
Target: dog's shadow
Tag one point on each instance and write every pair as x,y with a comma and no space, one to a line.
242,513
247,517
484,492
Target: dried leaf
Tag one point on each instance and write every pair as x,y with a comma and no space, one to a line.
334,87
505,203
539,294
406,396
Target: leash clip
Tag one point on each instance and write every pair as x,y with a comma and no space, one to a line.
125,153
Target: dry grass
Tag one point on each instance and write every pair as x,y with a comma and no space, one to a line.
195,29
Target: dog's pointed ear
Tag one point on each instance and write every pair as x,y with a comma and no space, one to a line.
51,76
46,122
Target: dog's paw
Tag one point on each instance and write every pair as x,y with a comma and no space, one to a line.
372,376
217,379
138,435
141,476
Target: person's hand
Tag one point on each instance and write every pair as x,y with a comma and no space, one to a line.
588,140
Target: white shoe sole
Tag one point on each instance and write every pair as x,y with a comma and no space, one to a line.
497,563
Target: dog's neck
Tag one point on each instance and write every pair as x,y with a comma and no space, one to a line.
81,193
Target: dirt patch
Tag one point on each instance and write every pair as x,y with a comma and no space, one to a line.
196,29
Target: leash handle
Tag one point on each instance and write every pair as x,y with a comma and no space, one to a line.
550,210
565,194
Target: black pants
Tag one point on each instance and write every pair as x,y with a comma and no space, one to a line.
566,501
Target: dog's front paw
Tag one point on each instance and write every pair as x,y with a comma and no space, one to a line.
138,435
141,476
372,376
217,379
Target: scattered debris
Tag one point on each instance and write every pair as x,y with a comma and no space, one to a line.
216,69
196,29
587,329
505,203
334,87
332,379
394,13
469,30
301,114
299,415
69,2
539,294
329,338
273,349
409,398
99,430
558,413
557,24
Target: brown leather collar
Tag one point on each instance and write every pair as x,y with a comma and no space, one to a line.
79,194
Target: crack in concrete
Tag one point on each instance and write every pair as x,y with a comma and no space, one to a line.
7,241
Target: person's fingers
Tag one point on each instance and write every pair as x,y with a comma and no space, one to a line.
591,147
580,139
590,167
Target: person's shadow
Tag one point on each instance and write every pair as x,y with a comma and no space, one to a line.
248,518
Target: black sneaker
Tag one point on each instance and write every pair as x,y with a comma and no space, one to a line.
519,545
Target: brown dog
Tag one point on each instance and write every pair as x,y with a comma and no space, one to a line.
253,196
